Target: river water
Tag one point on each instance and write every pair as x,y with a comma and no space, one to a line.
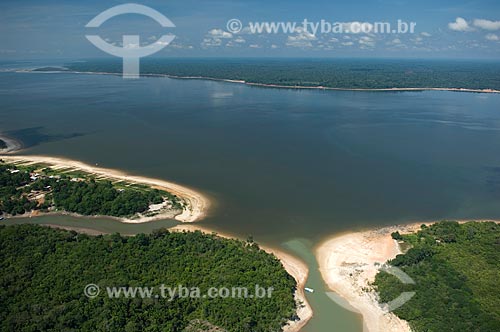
289,167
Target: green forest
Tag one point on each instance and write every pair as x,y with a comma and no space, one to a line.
43,273
456,268
20,192
333,73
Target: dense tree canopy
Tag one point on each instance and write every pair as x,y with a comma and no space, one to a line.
101,198
12,200
43,273
335,73
456,268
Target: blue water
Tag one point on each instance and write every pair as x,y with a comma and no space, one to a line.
286,166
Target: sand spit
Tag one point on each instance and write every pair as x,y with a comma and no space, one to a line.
196,204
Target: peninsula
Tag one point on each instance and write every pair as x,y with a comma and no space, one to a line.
45,185
438,256
57,185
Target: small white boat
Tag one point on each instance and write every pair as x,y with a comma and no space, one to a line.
309,290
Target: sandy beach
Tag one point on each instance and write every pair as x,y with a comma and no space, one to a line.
347,264
196,209
196,205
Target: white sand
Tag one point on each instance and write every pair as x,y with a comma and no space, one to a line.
196,208
347,264
196,204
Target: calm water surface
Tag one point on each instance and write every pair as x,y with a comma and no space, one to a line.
288,167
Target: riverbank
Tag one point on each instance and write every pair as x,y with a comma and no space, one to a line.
347,265
278,86
196,208
295,267
195,204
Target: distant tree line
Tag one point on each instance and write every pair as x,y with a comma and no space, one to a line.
334,73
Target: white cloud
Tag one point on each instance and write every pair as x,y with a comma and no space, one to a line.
214,38
417,40
460,24
347,43
492,37
325,47
274,46
366,41
181,46
294,42
357,27
304,34
302,39
396,43
238,41
211,42
426,34
255,46
219,33
131,45
487,25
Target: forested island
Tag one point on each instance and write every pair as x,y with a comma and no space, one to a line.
330,73
43,273
40,188
456,268
3,145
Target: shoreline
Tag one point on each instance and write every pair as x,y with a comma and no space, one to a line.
197,207
277,86
12,144
196,204
295,267
143,219
347,265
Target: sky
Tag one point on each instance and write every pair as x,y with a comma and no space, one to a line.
40,29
